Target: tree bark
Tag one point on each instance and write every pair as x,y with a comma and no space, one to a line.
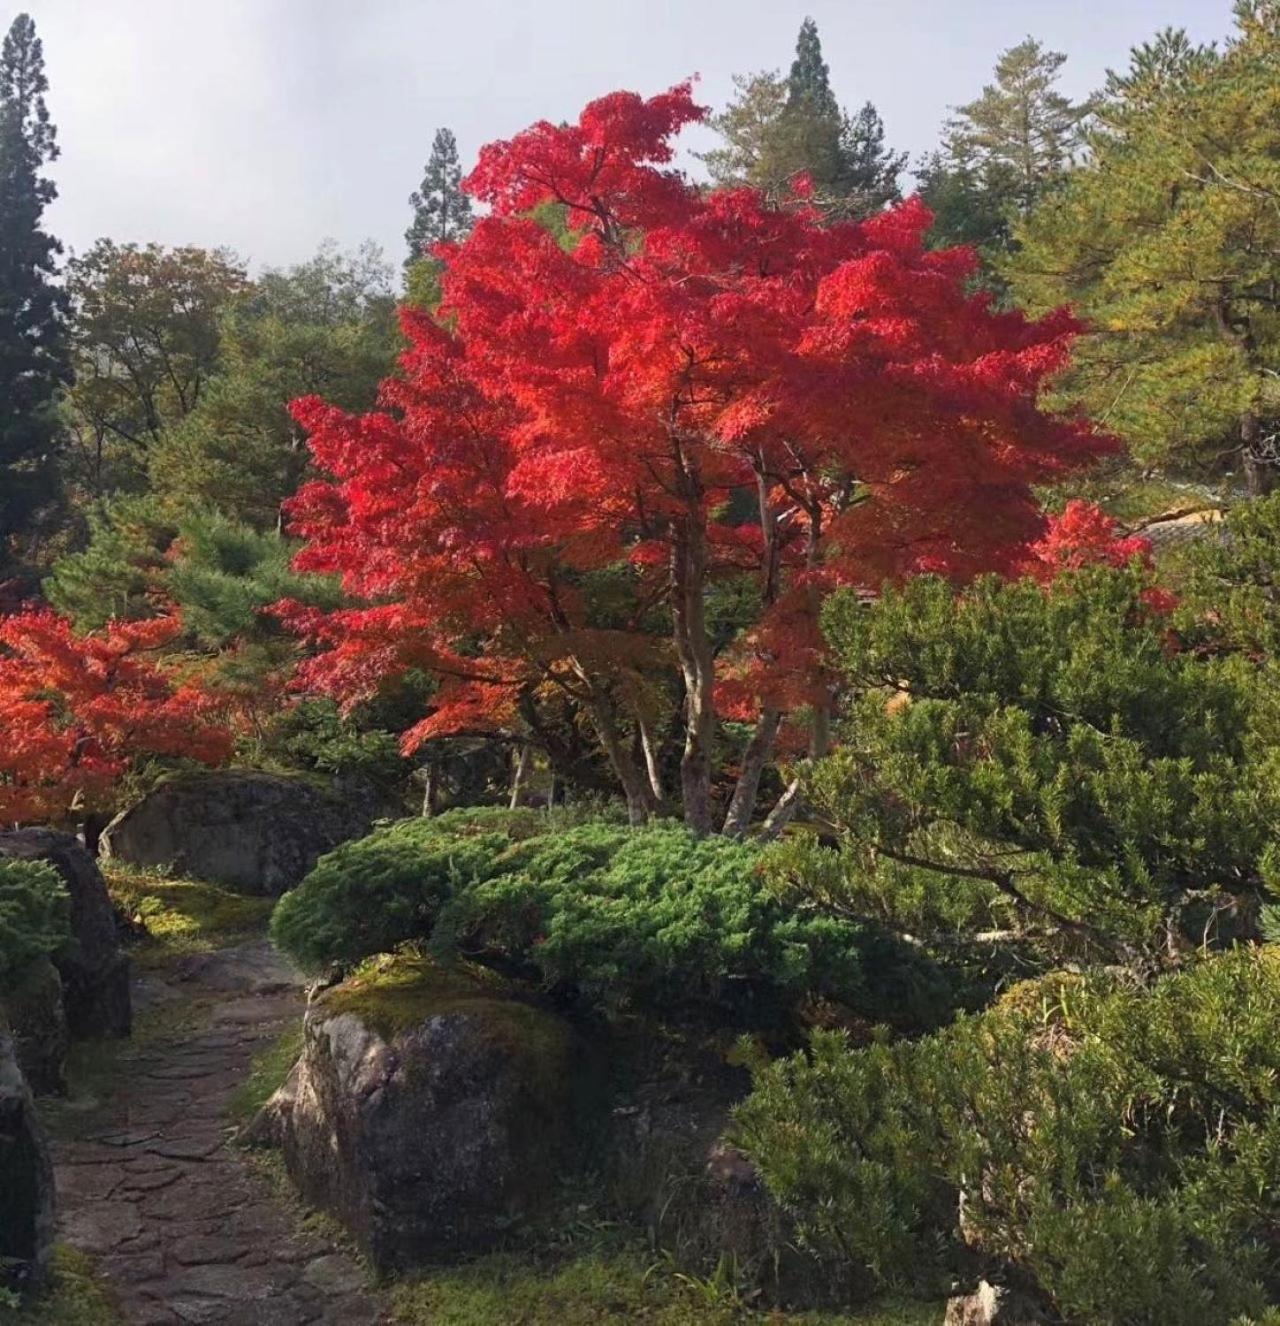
689,574
1260,475
519,775
738,819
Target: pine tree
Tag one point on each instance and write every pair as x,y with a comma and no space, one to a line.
1166,241
33,358
776,129
441,211
1021,132
871,170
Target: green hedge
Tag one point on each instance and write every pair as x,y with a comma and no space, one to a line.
601,913
1117,1147
35,916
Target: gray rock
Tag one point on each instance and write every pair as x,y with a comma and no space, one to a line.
992,1305
27,1216
39,1022
258,833
429,1127
94,971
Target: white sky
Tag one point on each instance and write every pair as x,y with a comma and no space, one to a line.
267,125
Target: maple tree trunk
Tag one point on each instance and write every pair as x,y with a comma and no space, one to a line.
519,775
651,760
738,819
693,646
635,785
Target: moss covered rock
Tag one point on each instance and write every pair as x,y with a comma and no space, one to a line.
258,833
430,1110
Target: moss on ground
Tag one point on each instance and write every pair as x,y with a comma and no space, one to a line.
606,1286
267,1073
77,1297
182,915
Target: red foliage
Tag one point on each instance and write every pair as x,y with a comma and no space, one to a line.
76,709
702,387
1083,535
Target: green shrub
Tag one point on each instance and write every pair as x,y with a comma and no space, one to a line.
371,895
1053,765
1118,1146
600,913
35,915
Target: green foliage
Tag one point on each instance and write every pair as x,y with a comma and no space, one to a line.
441,211
33,306
1164,242
1049,765
1117,1145
325,325
607,915
369,896
615,1283
779,127
1231,582
35,916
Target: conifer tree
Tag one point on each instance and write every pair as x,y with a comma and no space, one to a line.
1167,241
1021,132
441,211
33,358
777,128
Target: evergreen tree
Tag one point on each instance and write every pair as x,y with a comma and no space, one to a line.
33,359
1021,133
745,125
871,170
1166,242
441,211
809,83
778,128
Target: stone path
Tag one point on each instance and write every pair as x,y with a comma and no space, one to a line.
179,1221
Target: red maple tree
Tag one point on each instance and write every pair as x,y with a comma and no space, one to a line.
681,394
76,710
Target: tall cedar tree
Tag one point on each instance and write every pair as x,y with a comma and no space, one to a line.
1167,241
704,390
33,358
441,210
778,128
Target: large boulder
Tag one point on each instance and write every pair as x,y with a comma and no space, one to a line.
27,1217
259,833
429,1110
94,970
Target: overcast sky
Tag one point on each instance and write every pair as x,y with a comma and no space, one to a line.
268,125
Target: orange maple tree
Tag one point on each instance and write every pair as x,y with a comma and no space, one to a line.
76,710
673,391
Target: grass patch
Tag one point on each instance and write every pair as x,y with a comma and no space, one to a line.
606,1286
267,1073
182,915
77,1296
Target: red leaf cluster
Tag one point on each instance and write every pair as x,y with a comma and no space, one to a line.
697,388
76,709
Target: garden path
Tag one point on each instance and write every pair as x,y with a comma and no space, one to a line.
185,1226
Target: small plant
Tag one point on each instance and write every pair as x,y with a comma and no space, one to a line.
35,916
